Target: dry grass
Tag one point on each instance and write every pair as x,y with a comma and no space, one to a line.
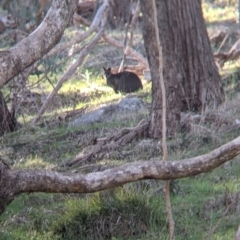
204,207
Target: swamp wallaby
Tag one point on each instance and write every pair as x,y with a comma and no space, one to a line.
125,82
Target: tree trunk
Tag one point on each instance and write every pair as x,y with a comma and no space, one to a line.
7,121
191,79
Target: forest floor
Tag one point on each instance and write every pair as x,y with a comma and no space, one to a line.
206,206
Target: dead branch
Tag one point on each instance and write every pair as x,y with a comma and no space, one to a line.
223,42
100,19
142,61
15,182
95,25
80,20
33,47
218,37
232,54
80,36
130,51
133,23
129,44
113,142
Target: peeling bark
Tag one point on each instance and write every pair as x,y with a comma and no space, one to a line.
15,182
38,43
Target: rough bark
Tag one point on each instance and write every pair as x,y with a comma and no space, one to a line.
38,43
15,182
7,120
191,78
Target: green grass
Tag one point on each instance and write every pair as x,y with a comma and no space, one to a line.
137,210
118,213
219,11
140,206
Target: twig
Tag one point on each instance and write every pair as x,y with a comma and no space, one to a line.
164,127
211,231
120,69
118,44
103,9
129,44
223,42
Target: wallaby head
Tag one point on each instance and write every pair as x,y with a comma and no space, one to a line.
111,80
107,72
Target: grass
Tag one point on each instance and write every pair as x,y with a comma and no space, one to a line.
214,12
204,206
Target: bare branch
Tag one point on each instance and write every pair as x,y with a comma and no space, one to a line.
103,9
116,43
232,54
93,27
129,44
14,182
38,43
129,51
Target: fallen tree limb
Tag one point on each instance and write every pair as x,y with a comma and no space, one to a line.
15,182
125,136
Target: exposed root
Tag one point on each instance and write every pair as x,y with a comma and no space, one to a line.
125,136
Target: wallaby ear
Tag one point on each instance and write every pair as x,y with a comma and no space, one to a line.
104,69
109,69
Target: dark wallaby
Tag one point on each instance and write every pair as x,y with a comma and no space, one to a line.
126,82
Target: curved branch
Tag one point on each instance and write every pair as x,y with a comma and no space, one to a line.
143,62
38,43
14,182
100,19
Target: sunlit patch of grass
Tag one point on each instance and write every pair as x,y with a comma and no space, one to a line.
33,162
230,66
225,234
21,234
25,119
213,13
